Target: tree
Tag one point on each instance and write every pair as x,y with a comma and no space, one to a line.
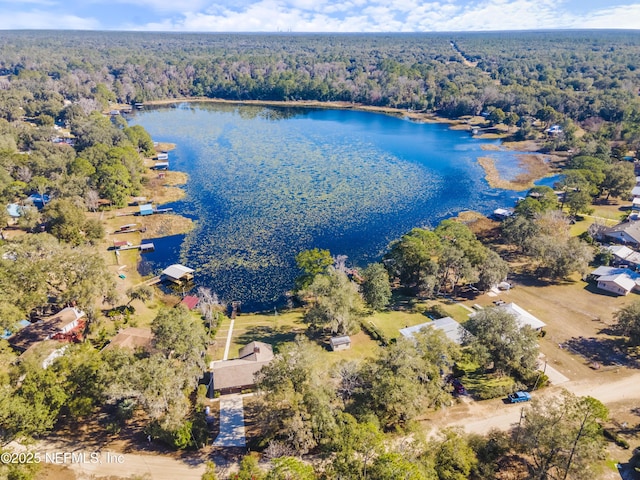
558,259
395,466
499,340
249,469
178,334
628,322
336,303
538,200
357,445
210,471
619,180
312,262
520,230
65,221
578,201
405,378
413,257
492,271
299,402
376,289
562,435
454,458
143,293
290,468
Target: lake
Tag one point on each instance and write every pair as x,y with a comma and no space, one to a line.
266,183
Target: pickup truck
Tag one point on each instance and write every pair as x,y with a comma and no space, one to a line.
518,397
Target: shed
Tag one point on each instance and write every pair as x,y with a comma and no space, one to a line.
190,301
146,209
340,343
147,247
178,273
161,166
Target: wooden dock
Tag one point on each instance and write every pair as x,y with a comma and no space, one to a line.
144,247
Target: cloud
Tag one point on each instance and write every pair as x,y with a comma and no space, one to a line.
331,15
39,19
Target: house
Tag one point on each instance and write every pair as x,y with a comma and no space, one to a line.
620,284
162,156
452,329
623,255
146,209
340,343
625,232
131,338
177,273
238,374
635,204
635,192
523,317
616,280
190,301
64,325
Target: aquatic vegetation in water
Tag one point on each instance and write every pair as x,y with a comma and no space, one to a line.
267,183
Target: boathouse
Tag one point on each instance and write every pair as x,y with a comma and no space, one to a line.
177,273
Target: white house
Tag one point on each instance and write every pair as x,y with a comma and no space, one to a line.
620,281
452,329
523,317
620,284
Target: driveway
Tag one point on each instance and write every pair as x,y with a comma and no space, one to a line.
231,422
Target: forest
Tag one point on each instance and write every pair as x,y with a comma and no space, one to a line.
586,82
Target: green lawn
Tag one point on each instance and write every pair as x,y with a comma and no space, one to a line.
268,328
481,385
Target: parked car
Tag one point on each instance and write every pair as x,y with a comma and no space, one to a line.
458,387
518,397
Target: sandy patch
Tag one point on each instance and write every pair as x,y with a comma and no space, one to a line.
534,166
166,224
490,147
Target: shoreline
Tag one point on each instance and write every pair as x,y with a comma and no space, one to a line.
332,105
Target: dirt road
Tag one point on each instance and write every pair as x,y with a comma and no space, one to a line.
495,413
90,462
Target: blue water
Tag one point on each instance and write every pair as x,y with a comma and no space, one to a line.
267,183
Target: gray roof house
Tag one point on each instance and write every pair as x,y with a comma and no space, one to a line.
452,329
626,232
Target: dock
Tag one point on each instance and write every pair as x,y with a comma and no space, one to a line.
144,247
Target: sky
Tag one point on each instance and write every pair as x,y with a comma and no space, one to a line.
318,15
